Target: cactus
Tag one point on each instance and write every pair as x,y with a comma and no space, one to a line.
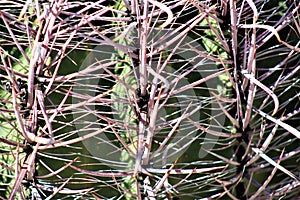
149,99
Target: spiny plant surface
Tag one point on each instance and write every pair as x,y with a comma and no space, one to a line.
149,99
